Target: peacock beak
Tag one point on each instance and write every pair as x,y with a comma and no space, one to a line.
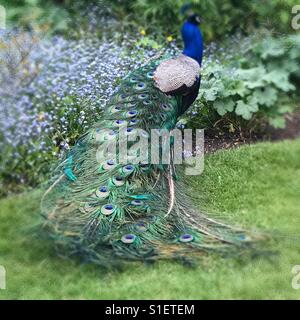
198,20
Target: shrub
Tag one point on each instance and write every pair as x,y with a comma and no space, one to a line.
221,17
258,84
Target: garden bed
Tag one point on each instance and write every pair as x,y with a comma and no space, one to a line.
215,139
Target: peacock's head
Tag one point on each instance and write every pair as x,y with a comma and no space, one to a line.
191,16
194,18
191,34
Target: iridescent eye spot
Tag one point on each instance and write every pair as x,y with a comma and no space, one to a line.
166,107
120,122
137,203
150,74
110,135
128,238
143,96
163,117
108,209
132,113
133,121
109,164
144,166
102,192
128,168
131,104
186,238
118,181
146,102
133,80
88,207
115,109
130,131
144,133
141,227
140,86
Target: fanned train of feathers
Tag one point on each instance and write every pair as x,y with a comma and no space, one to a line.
108,213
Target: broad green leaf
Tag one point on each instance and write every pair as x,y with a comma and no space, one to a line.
280,80
266,96
278,122
224,106
253,78
271,48
245,110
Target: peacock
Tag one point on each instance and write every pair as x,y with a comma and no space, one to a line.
108,211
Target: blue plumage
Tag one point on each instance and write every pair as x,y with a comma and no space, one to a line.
193,41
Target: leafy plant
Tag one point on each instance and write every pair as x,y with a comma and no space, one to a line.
220,17
260,86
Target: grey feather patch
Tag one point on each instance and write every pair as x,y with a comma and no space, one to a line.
171,74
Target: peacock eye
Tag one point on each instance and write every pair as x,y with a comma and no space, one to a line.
131,104
144,133
128,238
88,207
141,227
150,74
128,168
146,102
143,96
120,122
133,79
102,192
186,238
118,181
140,86
166,107
163,117
130,131
110,135
132,113
133,121
108,209
137,203
109,164
115,109
144,166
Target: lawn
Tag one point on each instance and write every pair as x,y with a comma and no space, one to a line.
257,186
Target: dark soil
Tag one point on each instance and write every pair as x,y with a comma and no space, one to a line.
216,139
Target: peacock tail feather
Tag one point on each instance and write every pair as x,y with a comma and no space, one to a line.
108,212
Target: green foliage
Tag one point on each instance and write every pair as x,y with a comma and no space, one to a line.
262,85
221,17
41,16
160,18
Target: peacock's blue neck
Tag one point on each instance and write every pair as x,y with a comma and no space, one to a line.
193,41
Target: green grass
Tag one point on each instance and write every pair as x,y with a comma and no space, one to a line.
258,185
